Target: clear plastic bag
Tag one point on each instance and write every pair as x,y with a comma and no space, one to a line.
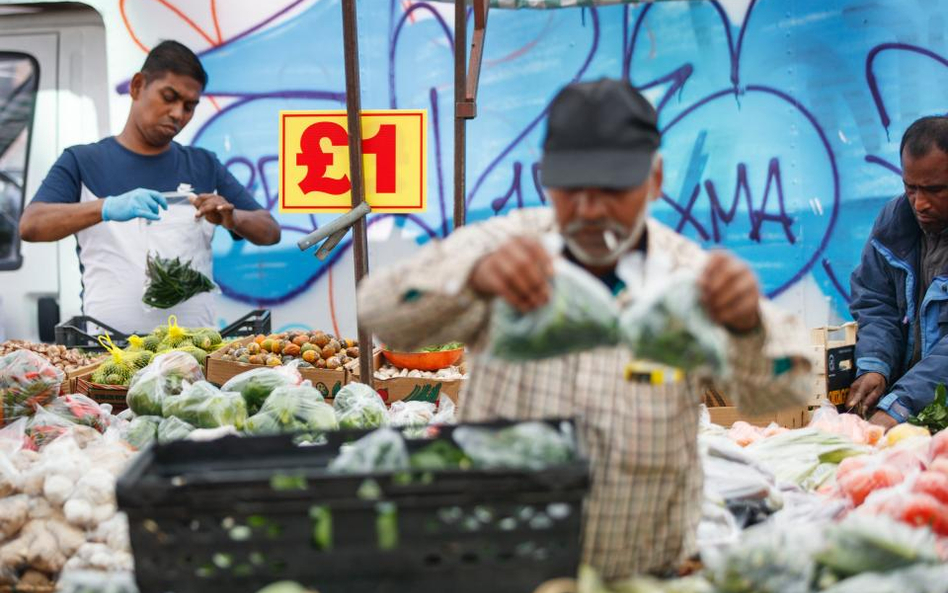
173,429
256,386
382,450
80,409
767,559
858,477
142,431
863,543
528,445
178,235
921,500
580,315
828,419
358,406
447,411
666,322
411,414
165,376
795,456
45,427
293,409
27,380
205,406
922,578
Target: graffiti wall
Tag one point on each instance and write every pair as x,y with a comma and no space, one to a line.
781,120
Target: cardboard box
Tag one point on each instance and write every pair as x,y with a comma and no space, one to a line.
726,416
407,388
834,348
220,371
113,395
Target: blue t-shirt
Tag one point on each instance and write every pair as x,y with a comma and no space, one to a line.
107,168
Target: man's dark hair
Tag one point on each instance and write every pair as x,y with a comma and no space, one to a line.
924,134
171,56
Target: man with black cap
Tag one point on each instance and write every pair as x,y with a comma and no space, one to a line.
601,169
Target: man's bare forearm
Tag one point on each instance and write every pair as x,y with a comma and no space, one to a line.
257,226
42,222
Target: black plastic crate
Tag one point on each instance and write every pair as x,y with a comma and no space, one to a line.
75,333
239,513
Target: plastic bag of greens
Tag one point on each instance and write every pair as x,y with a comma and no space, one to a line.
205,406
580,315
528,445
165,376
666,322
864,543
256,386
382,450
767,559
173,429
358,406
27,380
142,431
411,414
921,578
80,409
293,409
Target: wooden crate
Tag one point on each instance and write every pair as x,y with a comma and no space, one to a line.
113,395
834,350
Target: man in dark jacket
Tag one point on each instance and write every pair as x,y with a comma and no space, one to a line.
900,289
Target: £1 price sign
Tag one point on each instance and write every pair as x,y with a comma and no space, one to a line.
314,160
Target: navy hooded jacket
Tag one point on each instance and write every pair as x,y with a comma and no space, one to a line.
884,303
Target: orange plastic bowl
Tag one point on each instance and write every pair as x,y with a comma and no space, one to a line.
423,361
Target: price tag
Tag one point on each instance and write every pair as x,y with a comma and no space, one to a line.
314,161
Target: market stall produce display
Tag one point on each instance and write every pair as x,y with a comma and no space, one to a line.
27,380
316,349
65,359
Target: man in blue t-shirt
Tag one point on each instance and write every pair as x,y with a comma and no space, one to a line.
109,194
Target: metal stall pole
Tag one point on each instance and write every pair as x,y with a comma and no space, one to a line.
466,78
360,246
460,117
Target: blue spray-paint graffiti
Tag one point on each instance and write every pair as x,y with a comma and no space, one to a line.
780,131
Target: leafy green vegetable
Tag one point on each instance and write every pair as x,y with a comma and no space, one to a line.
164,377
443,347
439,455
935,416
171,281
528,445
293,409
383,450
358,406
256,386
142,431
173,429
204,406
875,544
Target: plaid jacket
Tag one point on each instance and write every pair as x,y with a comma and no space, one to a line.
645,501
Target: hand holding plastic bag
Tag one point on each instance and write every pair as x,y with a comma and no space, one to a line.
165,376
26,380
580,315
666,323
358,406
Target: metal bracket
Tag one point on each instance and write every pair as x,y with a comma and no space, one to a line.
467,108
334,231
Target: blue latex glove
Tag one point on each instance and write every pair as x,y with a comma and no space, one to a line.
137,203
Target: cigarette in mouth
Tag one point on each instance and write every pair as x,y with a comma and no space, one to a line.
610,238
